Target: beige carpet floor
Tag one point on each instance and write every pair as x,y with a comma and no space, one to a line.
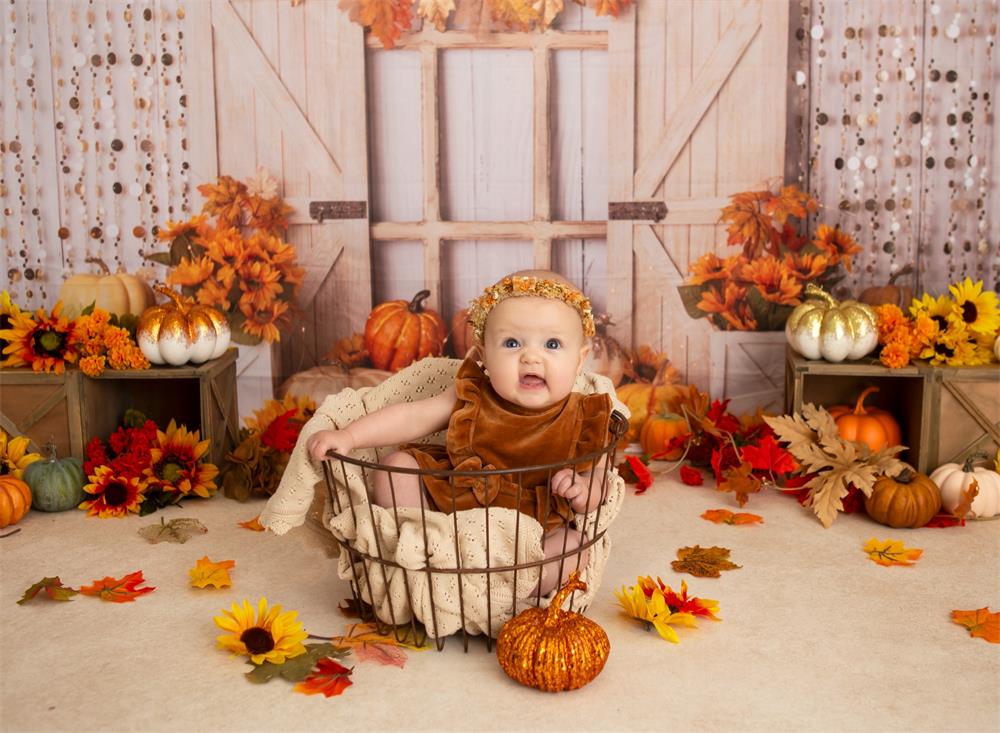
814,637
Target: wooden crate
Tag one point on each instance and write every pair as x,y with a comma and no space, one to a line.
745,368
73,408
965,413
907,393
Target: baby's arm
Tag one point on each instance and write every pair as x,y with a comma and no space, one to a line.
398,423
575,487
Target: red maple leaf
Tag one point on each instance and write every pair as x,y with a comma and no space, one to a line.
691,476
122,590
643,478
282,433
768,456
330,678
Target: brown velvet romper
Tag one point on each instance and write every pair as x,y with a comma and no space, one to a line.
486,432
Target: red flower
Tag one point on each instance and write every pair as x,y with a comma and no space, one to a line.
282,433
691,476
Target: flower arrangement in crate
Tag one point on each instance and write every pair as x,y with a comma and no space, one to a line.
240,263
756,289
958,328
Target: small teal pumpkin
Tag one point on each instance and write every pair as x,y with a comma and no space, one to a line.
56,483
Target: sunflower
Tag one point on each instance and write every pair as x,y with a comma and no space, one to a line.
260,283
262,322
952,347
774,281
191,272
937,309
806,266
304,407
976,308
838,245
227,249
273,637
706,268
175,463
45,342
14,455
649,366
8,310
115,495
174,229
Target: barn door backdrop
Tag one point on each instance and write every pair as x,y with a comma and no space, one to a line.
696,113
283,87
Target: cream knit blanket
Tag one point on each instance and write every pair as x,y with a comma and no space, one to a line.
418,545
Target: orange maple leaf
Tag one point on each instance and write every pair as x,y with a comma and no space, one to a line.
224,199
206,573
792,201
123,590
611,7
980,623
724,516
749,225
387,19
741,481
965,500
330,678
253,524
891,552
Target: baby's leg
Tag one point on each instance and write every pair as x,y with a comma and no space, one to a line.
555,543
399,489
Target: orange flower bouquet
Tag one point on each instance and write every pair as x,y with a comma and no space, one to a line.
756,289
240,263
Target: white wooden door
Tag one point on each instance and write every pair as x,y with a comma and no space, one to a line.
696,113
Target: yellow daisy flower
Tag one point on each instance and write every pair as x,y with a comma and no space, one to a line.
273,637
14,455
975,307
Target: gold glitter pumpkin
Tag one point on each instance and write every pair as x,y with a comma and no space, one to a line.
551,649
181,331
822,328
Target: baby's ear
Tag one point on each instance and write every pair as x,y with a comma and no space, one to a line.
584,352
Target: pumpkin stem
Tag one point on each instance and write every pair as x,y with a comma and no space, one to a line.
859,407
906,270
102,263
173,296
417,304
555,608
971,459
905,476
50,448
815,291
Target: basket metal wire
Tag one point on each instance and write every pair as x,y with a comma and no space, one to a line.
413,630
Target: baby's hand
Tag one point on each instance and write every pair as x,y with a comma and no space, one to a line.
319,443
574,487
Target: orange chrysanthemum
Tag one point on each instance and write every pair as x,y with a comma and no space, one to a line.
838,245
114,495
46,342
773,280
896,354
176,465
889,318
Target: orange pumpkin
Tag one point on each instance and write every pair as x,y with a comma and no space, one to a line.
872,426
398,333
643,400
910,499
15,500
461,334
658,430
899,295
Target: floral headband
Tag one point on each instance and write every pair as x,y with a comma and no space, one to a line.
523,286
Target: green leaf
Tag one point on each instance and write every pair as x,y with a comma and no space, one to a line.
53,589
176,530
162,258
240,336
297,668
690,297
769,316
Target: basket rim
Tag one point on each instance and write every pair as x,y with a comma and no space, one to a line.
617,428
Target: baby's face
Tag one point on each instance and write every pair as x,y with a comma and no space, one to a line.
533,349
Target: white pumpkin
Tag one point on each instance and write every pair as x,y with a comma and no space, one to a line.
953,479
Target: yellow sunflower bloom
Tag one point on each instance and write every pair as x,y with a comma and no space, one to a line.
975,307
8,310
45,343
272,637
175,463
114,495
952,347
263,322
14,455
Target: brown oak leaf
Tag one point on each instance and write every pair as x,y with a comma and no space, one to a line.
980,623
703,562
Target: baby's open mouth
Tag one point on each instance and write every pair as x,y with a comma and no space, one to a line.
532,381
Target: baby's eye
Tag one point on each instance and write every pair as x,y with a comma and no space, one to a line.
511,343
553,344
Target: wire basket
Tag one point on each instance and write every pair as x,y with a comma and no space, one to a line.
430,592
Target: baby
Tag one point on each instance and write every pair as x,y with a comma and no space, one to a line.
512,405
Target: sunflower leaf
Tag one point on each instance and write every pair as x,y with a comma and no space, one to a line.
178,530
297,668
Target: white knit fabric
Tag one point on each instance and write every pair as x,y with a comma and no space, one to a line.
439,600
